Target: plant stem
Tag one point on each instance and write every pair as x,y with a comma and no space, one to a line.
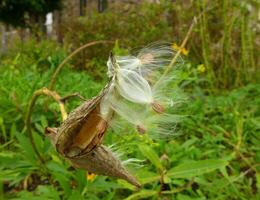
36,94
57,71
188,34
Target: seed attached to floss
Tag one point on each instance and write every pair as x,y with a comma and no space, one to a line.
133,87
157,107
146,58
140,129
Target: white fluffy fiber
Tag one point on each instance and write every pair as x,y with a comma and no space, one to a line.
136,84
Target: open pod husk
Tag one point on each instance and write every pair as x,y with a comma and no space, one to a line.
79,139
101,160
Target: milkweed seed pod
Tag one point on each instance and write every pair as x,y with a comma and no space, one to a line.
83,129
137,93
101,160
79,140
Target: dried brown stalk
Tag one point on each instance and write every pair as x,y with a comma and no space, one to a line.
188,34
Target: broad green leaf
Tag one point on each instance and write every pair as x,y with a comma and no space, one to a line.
124,184
57,167
42,192
150,179
142,194
147,176
26,146
151,155
64,181
196,168
75,195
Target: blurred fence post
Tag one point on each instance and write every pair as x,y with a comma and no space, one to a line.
49,25
3,39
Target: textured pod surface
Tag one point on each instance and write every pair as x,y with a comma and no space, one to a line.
79,139
78,133
101,160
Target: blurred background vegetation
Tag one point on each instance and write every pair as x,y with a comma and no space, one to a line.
217,156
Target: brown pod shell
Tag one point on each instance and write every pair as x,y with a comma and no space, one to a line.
79,139
80,127
102,160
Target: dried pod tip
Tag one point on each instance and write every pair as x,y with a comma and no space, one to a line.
140,129
49,131
52,134
157,107
102,161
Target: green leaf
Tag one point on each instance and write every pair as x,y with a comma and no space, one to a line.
64,182
75,195
258,181
26,146
147,176
142,194
42,192
44,121
151,155
2,128
196,168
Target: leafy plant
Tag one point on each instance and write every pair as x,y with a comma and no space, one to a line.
216,155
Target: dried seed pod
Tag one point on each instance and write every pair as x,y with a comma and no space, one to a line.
101,160
79,130
137,84
79,139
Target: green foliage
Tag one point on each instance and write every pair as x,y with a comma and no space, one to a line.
217,155
22,13
214,157
224,39
130,28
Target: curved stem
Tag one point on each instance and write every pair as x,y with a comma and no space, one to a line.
53,94
55,74
36,94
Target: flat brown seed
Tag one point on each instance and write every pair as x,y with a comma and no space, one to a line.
146,58
140,129
157,107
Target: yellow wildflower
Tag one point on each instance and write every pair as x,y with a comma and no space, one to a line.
201,68
181,49
90,176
